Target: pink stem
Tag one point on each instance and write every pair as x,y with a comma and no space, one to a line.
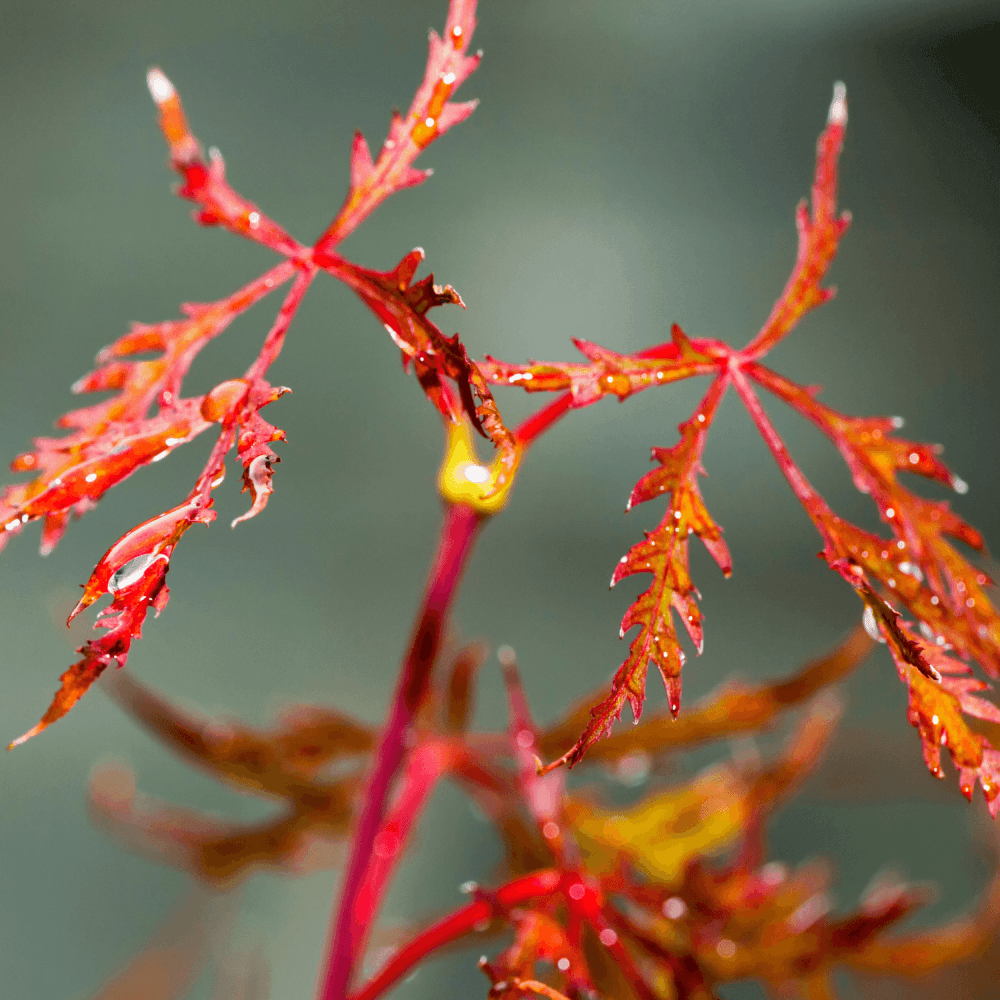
808,497
423,769
538,423
452,928
275,339
457,537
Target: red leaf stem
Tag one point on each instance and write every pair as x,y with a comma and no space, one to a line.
424,767
538,423
807,496
457,925
454,547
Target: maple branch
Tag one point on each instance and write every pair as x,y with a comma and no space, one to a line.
537,885
454,546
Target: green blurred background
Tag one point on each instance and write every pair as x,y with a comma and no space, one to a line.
631,164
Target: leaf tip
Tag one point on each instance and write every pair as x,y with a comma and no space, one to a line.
160,88
34,731
838,106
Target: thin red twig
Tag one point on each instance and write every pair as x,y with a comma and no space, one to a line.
457,925
455,544
424,768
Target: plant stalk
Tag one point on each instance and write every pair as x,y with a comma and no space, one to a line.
348,933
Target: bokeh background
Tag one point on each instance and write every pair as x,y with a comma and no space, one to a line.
631,164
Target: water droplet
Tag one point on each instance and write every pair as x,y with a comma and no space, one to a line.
911,569
254,219
132,572
959,485
914,458
674,908
608,937
563,964
577,891
160,87
934,599
901,544
476,473
871,627
889,512
90,477
550,830
726,948
468,887
159,457
448,78
935,720
618,383
898,422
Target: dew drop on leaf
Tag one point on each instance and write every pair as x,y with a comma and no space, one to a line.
871,627
131,572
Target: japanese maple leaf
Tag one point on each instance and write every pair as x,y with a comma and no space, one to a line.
664,553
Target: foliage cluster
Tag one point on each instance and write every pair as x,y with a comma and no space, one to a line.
668,898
